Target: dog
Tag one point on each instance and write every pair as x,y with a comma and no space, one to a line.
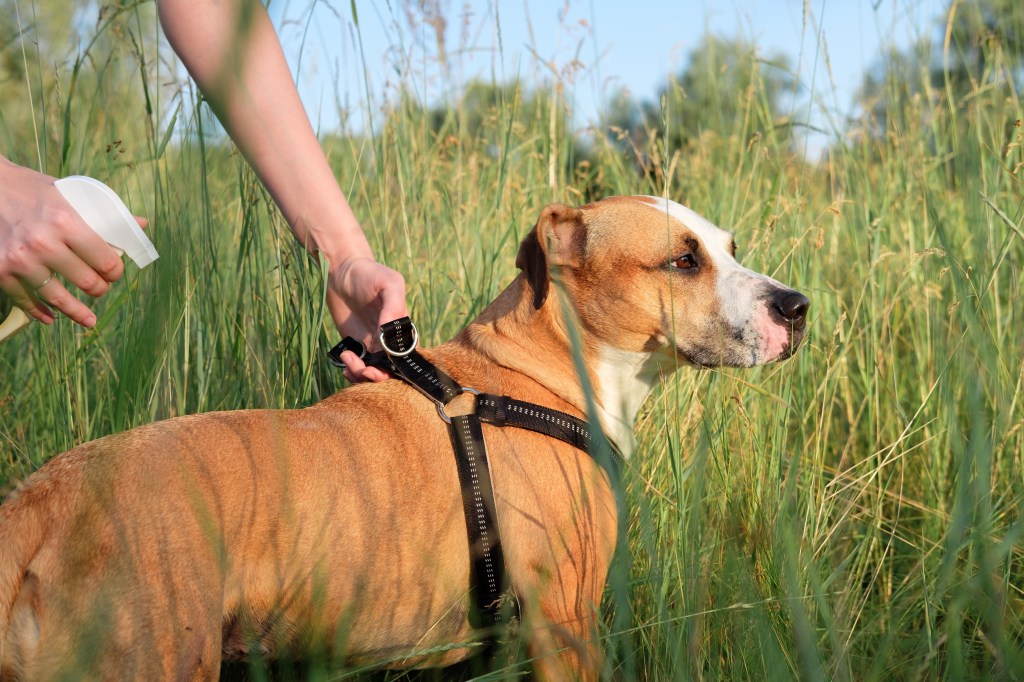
158,552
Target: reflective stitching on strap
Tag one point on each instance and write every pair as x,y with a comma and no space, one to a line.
550,417
567,422
478,503
431,378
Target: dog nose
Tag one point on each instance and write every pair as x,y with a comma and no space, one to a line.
793,308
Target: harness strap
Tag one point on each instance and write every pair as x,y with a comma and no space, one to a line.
498,410
487,565
487,561
487,574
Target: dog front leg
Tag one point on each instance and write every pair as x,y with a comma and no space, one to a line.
561,614
563,649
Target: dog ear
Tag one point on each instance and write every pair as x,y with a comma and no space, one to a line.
557,239
534,264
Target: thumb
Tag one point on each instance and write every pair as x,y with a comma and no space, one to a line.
393,300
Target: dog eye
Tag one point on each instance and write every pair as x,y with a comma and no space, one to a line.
685,262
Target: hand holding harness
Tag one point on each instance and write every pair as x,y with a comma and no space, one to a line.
400,358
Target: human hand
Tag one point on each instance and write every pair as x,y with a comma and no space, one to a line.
362,295
42,236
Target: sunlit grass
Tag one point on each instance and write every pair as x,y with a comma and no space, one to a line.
853,513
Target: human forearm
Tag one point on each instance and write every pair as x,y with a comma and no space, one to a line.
231,50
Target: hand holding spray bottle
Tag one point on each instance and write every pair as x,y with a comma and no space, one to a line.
106,214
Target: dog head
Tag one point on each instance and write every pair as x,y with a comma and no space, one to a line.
651,276
655,285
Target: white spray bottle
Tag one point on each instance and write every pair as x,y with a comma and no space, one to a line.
106,214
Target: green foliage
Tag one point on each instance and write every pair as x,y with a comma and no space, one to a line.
726,89
978,62
730,78
853,513
986,43
79,87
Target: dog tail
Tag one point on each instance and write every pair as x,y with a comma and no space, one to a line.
21,536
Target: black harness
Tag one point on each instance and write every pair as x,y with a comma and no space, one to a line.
487,575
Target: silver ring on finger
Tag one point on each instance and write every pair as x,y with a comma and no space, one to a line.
45,281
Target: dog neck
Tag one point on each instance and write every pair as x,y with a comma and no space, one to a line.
623,381
535,343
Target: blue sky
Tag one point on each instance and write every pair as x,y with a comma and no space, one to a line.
597,46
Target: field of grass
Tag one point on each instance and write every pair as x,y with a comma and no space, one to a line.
854,513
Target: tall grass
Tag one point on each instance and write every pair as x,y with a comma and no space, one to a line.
853,513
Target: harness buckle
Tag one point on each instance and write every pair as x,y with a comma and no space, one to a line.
440,406
403,353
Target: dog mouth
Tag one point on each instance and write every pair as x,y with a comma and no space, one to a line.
751,351
769,336
796,337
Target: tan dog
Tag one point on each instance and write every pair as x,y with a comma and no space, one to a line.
155,553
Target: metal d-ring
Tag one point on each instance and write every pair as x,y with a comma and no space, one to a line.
440,407
402,354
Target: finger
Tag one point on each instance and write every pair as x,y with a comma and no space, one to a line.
54,294
20,296
354,367
369,374
393,299
76,235
357,371
375,375
352,362
96,253
78,272
143,222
